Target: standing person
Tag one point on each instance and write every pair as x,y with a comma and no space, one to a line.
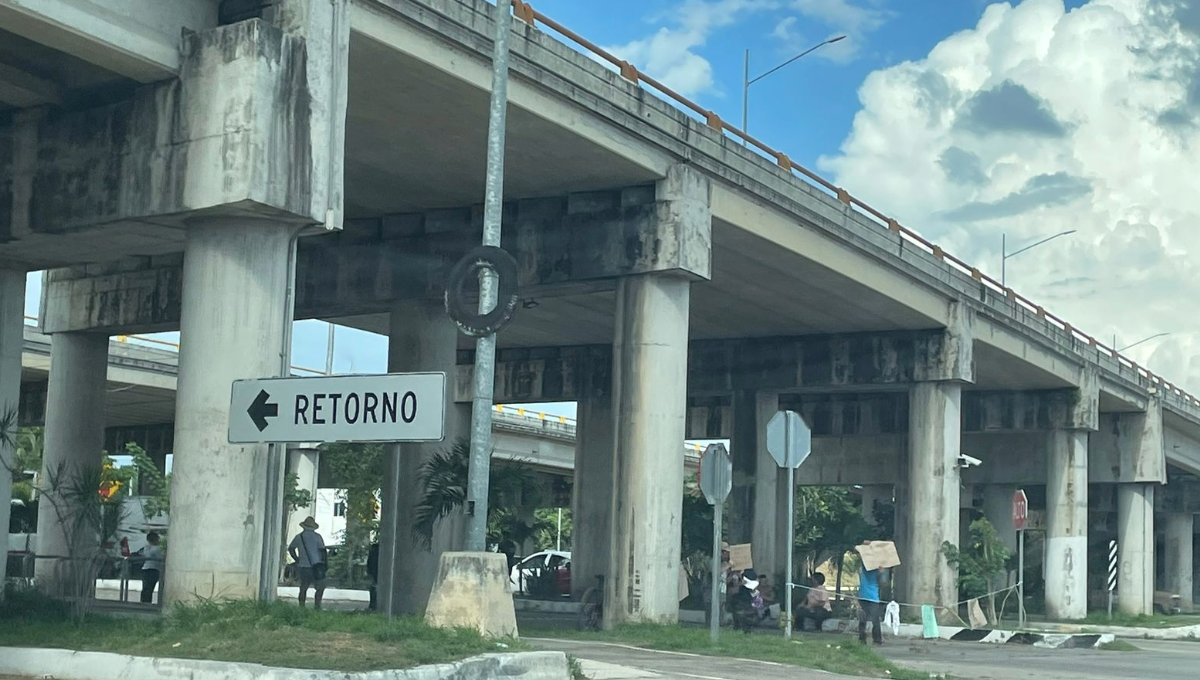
308,551
870,608
152,568
373,572
816,606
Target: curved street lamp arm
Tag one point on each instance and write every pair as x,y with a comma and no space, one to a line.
798,56
1035,245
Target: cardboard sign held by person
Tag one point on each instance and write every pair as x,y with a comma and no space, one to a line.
878,555
741,557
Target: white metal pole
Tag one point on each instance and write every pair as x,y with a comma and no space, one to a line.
714,609
485,348
791,496
1021,579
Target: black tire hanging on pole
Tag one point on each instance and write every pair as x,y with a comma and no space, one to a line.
466,314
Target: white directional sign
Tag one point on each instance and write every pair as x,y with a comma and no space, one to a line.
716,474
789,441
409,407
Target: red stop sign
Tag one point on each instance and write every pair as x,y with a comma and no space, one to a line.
1020,509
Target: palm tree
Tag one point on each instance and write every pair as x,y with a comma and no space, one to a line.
512,484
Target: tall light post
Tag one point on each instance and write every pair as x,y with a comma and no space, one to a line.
1004,254
747,81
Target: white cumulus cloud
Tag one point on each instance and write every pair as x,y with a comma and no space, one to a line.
1038,121
670,54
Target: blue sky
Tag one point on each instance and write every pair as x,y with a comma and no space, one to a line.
966,120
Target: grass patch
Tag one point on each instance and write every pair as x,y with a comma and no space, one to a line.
276,634
1140,621
836,655
1119,646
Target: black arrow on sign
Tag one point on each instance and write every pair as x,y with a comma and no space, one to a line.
260,410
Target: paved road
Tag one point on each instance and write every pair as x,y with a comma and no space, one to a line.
973,661
1157,660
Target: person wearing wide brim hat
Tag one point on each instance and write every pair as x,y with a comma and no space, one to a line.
308,551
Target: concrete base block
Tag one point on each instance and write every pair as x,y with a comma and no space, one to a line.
472,591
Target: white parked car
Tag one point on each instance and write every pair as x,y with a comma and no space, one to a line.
545,573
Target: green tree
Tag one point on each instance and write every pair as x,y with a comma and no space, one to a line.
512,485
828,525
980,564
359,470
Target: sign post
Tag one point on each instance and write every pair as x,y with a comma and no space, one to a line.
1112,573
716,481
789,441
1020,513
397,407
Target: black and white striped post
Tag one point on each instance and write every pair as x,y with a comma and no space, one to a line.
1112,574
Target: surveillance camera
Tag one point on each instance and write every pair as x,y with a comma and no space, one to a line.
966,461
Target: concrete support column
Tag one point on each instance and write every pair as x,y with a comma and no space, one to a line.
71,455
872,495
756,511
997,508
12,341
650,351
1180,568
236,276
592,503
1135,545
1066,525
934,424
305,464
903,520
421,338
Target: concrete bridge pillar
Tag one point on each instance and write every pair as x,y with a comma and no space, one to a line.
421,338
758,498
997,508
933,479
650,351
12,341
1066,525
1135,541
592,505
71,458
1180,568
233,312
305,464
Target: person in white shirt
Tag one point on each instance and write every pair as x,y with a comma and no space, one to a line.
152,568
308,552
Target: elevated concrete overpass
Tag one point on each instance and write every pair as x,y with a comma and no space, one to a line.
677,284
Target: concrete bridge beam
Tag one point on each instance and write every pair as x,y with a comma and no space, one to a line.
74,441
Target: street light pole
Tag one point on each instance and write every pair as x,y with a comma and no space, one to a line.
1004,254
747,81
1152,337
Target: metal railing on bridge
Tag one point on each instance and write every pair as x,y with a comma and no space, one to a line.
525,12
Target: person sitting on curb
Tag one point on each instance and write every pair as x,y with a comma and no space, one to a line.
815,606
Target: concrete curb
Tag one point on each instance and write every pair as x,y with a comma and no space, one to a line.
64,664
1178,633
989,636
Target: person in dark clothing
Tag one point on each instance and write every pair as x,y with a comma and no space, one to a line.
746,615
373,572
